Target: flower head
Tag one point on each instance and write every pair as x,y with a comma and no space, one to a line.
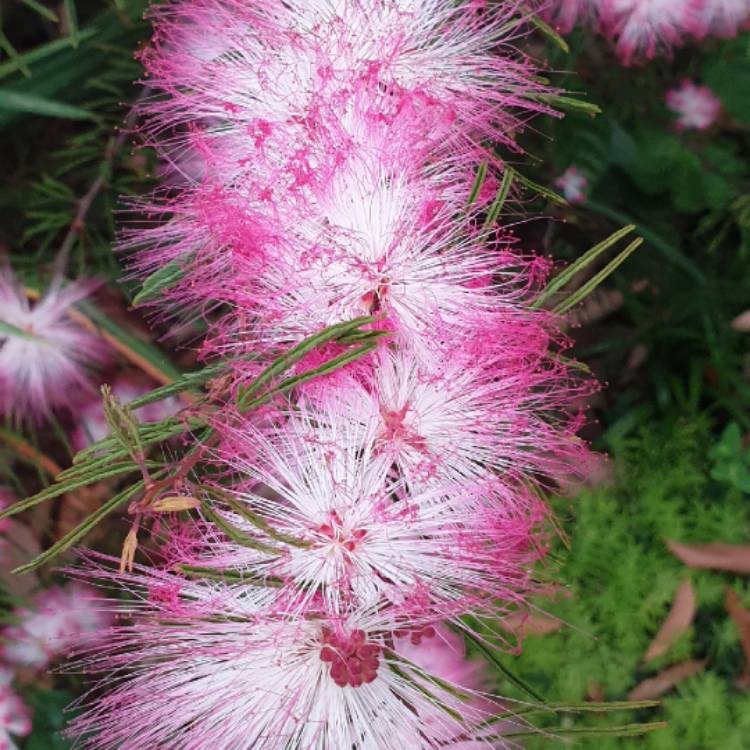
60,619
15,715
573,185
697,107
44,353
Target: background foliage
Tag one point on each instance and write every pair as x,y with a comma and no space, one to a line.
673,415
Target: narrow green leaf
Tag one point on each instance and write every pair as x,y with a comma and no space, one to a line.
16,60
478,182
589,256
42,52
187,382
500,198
158,281
62,487
298,352
492,656
624,730
573,708
236,535
71,19
42,10
330,366
255,519
594,281
549,32
11,330
80,531
541,190
230,576
566,103
16,101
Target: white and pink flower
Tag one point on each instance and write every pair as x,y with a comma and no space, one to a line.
697,107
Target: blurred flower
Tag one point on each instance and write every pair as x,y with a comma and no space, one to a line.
697,106
44,354
573,185
59,619
15,715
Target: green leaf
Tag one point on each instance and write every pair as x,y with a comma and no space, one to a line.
502,194
42,10
492,656
579,294
545,192
80,531
17,60
478,182
566,103
11,330
158,281
624,730
237,535
230,576
71,18
549,32
16,101
42,52
578,265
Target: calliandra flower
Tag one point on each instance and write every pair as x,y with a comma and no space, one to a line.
196,670
565,14
15,715
393,100
724,17
44,354
58,619
647,28
573,185
697,107
91,425
328,520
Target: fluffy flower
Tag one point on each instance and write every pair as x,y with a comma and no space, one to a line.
565,14
646,28
697,107
44,354
324,516
573,185
60,619
15,715
724,17
191,680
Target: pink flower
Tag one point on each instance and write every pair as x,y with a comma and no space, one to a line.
697,106
573,185
44,354
565,14
15,715
647,28
59,619
92,426
189,680
724,17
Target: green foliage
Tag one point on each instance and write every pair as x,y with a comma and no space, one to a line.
622,580
50,716
731,459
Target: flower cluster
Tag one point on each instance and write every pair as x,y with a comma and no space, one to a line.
322,160
646,28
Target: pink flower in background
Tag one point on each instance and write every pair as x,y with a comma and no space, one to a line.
15,715
724,17
647,28
697,107
565,14
91,426
59,619
44,355
573,185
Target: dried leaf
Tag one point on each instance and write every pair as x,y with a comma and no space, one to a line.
175,504
654,687
734,558
677,621
741,617
129,547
